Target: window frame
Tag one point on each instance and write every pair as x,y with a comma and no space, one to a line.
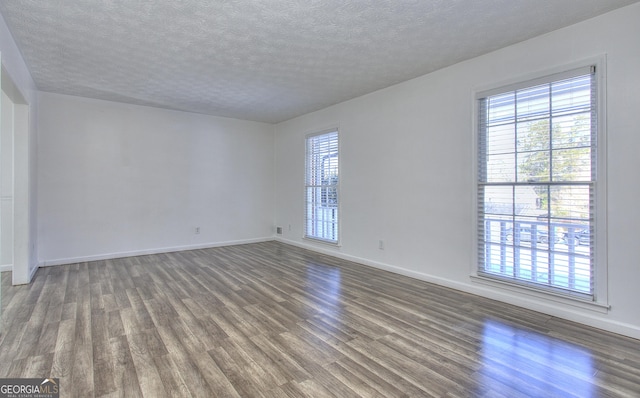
599,298
324,190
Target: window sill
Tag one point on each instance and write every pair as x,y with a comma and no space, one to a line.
599,307
322,241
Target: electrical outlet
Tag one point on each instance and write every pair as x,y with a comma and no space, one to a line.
381,244
196,230
279,230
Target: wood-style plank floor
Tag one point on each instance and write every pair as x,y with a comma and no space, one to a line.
272,320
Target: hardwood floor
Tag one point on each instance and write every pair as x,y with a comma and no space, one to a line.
271,320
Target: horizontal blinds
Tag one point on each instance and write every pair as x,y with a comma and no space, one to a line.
585,70
536,182
321,186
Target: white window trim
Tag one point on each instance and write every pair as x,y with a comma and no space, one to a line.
600,301
305,237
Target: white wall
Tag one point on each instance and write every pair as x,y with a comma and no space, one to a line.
21,89
406,167
6,183
117,179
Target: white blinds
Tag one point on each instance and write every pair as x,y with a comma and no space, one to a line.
536,182
321,187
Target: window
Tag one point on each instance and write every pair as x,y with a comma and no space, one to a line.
537,163
321,187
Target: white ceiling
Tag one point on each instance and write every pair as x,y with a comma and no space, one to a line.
264,60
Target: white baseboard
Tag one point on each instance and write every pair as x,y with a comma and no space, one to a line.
9,267
568,311
109,256
32,272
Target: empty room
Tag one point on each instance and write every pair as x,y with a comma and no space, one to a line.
319,199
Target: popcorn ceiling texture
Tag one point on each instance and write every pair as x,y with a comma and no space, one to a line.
264,60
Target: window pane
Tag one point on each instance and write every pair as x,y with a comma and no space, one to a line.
500,168
501,109
571,95
500,139
533,103
498,200
528,200
572,165
570,202
572,131
533,135
534,166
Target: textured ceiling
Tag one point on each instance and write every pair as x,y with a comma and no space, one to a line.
264,60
